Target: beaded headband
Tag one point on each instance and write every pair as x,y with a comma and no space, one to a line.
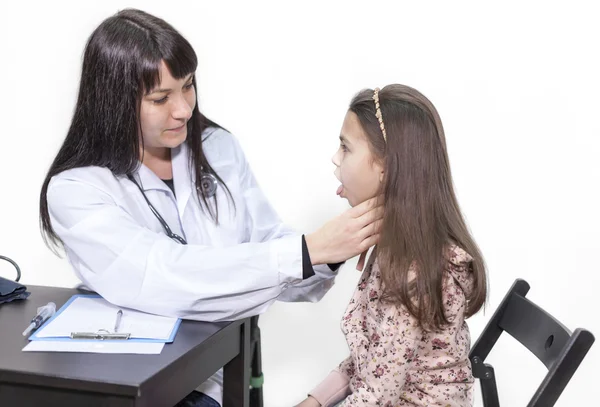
378,113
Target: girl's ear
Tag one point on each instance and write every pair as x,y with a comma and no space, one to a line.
381,165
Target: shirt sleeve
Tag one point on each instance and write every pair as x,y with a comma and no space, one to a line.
336,385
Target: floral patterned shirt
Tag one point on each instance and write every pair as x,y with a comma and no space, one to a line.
392,361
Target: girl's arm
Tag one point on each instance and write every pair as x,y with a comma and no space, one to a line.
336,385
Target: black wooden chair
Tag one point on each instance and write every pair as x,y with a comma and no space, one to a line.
559,349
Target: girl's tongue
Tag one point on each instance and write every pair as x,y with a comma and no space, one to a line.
340,189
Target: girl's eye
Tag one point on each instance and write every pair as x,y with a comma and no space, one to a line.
343,147
161,100
189,86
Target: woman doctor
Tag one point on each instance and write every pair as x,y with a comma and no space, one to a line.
156,206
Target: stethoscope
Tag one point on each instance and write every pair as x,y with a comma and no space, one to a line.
208,185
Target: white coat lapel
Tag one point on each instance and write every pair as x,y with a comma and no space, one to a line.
182,179
148,180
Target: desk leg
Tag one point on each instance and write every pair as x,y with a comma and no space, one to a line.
236,373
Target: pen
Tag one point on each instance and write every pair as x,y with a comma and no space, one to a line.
119,315
43,313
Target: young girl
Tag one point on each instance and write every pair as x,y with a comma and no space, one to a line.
405,324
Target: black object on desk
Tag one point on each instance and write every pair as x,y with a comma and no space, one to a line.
90,380
12,290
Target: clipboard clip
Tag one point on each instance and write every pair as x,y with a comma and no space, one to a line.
100,335
103,334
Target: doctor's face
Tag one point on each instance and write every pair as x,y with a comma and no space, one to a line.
166,109
355,166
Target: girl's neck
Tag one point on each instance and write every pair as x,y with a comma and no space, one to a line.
159,161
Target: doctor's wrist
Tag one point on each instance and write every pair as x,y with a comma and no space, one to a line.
315,249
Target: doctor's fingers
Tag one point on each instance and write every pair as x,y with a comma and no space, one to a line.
365,207
371,229
368,218
369,242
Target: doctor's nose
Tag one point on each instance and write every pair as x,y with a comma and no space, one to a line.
182,109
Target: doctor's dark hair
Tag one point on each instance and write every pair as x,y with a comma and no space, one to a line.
421,212
121,63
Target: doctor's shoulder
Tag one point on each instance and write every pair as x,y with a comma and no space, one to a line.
84,180
221,146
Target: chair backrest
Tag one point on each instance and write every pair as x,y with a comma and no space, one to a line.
550,341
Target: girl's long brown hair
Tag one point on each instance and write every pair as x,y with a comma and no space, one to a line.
422,215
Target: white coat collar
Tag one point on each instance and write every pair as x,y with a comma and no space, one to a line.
182,179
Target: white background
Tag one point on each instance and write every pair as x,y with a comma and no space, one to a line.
517,88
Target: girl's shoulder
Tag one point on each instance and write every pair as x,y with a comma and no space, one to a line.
457,256
459,278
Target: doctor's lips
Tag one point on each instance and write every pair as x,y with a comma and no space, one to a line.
178,129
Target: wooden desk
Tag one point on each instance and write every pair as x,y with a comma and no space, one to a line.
90,380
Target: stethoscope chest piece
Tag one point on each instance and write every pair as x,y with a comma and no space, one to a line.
208,185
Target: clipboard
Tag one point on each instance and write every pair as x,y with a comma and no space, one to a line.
93,313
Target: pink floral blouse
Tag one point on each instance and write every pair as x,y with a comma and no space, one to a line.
392,361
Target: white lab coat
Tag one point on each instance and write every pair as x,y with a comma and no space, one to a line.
235,269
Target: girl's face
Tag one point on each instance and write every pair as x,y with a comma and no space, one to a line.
357,169
165,111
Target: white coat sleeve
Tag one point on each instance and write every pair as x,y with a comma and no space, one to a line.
132,266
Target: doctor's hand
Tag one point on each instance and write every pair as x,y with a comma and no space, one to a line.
347,235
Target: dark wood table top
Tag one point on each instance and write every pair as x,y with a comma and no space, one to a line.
199,350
